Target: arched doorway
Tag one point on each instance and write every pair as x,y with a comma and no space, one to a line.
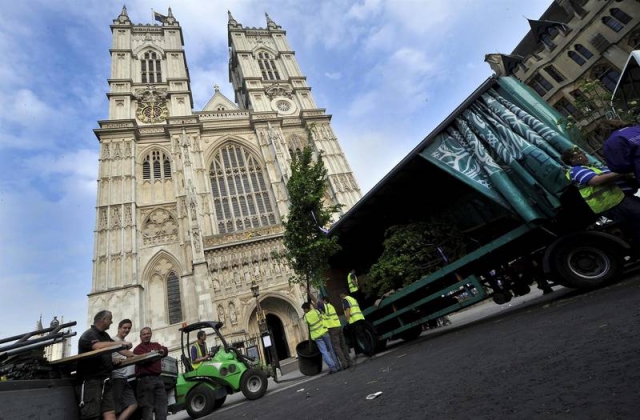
279,336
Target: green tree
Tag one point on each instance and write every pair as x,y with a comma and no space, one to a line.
595,118
413,251
307,247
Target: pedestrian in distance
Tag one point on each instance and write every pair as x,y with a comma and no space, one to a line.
199,352
123,396
333,324
319,333
150,388
597,186
94,390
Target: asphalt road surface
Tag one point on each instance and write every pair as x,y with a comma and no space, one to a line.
567,355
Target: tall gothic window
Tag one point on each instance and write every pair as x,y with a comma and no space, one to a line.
612,23
554,73
620,15
151,69
173,299
541,85
577,58
156,165
608,76
584,51
240,193
268,66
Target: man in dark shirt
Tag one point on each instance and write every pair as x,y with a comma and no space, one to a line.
151,393
94,395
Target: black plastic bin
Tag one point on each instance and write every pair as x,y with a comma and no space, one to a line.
309,358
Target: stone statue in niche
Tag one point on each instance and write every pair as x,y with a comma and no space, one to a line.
232,314
220,313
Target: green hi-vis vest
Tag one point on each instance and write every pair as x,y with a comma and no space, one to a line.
316,326
331,319
199,351
600,198
355,314
352,280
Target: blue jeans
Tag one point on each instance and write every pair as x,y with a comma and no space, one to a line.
326,349
628,214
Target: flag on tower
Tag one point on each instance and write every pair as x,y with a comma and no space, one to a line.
160,18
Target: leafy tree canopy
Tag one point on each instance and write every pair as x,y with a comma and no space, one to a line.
413,251
307,247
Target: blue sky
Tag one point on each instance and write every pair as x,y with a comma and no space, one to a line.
387,70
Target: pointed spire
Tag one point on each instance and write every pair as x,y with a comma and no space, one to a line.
232,22
270,23
123,17
170,13
39,323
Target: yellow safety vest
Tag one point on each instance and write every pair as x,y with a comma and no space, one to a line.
331,319
600,198
353,282
316,326
355,314
199,352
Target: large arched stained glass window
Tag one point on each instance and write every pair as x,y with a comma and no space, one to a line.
240,192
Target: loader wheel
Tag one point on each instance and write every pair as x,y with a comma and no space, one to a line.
200,401
253,383
219,402
587,264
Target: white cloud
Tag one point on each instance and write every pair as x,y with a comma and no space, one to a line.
336,75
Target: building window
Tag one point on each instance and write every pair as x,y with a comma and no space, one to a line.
576,57
240,190
173,299
541,85
609,77
151,70
584,51
612,23
554,73
620,15
268,66
566,108
156,165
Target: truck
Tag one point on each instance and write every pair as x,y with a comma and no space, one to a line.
493,167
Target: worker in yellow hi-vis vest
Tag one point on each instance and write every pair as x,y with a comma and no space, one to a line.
354,287
355,320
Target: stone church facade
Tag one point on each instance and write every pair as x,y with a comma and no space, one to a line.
190,203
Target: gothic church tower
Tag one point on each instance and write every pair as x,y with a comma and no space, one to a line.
190,203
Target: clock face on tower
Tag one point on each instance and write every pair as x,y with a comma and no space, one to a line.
152,113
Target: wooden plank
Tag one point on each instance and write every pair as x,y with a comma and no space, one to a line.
89,354
152,355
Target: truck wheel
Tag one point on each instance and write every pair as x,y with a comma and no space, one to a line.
366,339
200,401
502,296
253,384
587,264
411,334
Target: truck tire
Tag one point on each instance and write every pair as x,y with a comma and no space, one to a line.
366,339
200,401
411,334
587,263
253,384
